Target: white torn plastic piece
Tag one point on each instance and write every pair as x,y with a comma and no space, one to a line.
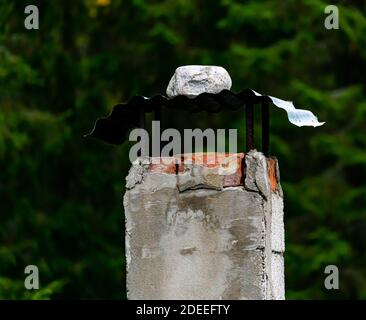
298,117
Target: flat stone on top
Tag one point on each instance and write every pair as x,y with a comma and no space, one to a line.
195,79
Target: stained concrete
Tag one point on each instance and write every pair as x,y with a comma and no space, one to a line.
194,240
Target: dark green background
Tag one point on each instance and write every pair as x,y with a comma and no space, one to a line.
61,195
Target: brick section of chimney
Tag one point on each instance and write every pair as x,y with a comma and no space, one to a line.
230,166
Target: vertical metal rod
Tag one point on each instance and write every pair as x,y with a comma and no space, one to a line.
141,118
265,127
157,117
141,126
157,114
249,120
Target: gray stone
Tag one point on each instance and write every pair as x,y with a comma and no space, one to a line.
194,80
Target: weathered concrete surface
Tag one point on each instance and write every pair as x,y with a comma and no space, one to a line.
190,235
195,79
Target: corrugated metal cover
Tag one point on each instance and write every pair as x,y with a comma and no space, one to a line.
126,116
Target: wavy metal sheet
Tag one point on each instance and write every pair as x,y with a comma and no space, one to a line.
124,117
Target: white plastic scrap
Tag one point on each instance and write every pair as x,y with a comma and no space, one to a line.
298,117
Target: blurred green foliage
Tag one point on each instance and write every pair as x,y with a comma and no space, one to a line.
61,195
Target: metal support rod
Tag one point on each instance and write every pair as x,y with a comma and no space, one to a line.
157,114
141,118
265,127
157,117
141,114
249,119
